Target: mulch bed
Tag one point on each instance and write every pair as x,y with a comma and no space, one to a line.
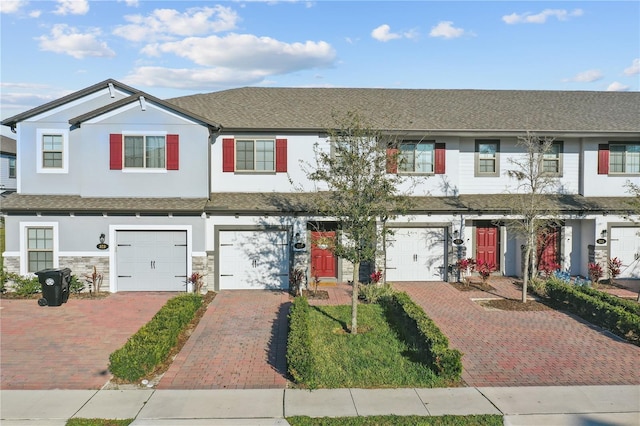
316,295
473,286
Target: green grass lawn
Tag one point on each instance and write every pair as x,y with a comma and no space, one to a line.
398,421
375,358
98,422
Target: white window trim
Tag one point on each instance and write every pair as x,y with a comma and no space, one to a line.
24,257
144,169
65,151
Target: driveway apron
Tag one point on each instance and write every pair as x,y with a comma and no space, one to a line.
68,347
240,343
509,348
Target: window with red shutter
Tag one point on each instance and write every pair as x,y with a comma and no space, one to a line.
115,151
392,160
440,159
281,155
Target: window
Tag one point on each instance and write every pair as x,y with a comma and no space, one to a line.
552,160
624,158
487,158
39,249
12,167
52,148
416,157
255,155
144,152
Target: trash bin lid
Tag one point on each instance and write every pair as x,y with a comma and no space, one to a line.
47,271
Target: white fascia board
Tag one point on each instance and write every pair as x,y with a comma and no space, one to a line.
79,101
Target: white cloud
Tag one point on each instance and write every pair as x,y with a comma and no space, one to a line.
164,24
12,6
383,33
588,76
249,52
445,29
617,87
193,79
130,3
35,13
634,68
66,39
541,18
72,7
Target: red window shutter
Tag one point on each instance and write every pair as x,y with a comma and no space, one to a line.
228,155
603,159
281,155
173,152
440,161
115,151
392,160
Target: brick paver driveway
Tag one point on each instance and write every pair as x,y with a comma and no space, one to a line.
508,348
240,343
68,347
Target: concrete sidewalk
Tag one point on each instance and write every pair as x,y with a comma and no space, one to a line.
567,405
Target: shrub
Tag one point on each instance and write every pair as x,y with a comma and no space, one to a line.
150,346
614,266
628,305
75,285
596,310
300,362
24,285
595,272
419,330
372,293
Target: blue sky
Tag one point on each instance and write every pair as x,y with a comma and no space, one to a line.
174,48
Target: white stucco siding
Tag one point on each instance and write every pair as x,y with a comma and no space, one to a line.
596,185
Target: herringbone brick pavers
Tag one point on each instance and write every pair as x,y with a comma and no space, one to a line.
240,343
513,348
68,346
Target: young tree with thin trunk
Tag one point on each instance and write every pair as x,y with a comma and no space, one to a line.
356,191
536,180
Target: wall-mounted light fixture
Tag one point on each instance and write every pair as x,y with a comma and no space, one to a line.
456,233
101,238
603,233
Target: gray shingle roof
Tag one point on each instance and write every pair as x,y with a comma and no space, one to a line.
420,109
72,203
7,145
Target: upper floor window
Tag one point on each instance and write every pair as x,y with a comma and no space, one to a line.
254,155
416,157
52,151
39,249
552,159
487,158
12,167
146,152
624,158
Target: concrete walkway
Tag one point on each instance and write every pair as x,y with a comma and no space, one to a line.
572,405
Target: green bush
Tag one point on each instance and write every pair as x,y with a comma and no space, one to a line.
628,305
24,286
418,329
150,346
75,285
595,310
300,363
372,293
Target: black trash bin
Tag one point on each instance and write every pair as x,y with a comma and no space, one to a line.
55,286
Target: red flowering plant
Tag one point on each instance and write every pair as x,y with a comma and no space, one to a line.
376,276
614,265
548,268
466,265
595,272
197,280
484,269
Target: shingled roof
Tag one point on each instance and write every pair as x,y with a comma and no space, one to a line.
258,108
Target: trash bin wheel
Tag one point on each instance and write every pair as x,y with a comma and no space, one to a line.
42,301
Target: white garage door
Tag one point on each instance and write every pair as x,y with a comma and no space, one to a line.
253,260
151,260
416,254
625,245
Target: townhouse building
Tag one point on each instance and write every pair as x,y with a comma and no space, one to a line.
150,190
8,162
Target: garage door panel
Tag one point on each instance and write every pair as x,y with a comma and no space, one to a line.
625,245
151,260
416,254
253,260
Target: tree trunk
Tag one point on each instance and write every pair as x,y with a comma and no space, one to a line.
525,280
354,298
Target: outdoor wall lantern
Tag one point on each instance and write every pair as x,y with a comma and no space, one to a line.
603,234
102,245
297,242
101,238
456,238
603,237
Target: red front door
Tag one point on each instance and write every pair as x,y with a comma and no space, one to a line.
487,244
548,250
323,261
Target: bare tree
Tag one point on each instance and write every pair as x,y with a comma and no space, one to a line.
536,179
356,191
